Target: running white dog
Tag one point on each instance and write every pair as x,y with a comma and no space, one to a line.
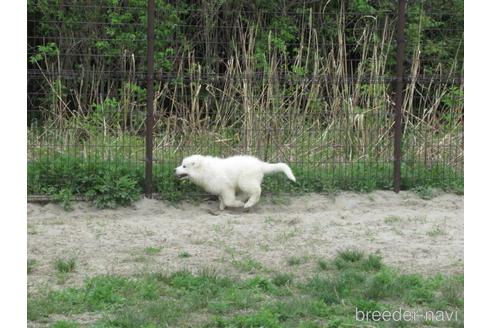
226,176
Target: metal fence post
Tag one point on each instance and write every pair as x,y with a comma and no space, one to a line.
400,52
149,122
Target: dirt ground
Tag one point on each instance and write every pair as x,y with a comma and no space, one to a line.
283,233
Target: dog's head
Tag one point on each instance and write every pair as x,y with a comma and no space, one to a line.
189,167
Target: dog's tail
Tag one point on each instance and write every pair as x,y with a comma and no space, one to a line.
279,167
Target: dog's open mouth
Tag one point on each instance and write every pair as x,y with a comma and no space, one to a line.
182,175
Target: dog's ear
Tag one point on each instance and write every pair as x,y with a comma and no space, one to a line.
195,163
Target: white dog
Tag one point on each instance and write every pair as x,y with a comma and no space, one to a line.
226,176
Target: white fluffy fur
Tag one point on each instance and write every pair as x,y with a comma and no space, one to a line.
236,180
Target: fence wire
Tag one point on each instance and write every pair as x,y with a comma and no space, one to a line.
312,87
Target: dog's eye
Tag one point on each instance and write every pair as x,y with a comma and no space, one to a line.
184,166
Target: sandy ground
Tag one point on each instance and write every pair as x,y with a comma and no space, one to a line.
416,235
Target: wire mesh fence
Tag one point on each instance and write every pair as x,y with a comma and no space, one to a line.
312,86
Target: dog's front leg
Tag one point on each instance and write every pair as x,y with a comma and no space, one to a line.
229,199
221,203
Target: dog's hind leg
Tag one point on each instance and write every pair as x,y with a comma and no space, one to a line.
242,196
229,199
253,189
254,198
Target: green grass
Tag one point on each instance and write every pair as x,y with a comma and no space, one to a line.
31,264
425,192
282,279
119,182
296,260
327,298
152,250
323,264
436,231
65,266
247,264
392,219
184,254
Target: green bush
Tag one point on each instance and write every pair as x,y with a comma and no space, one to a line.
105,183
119,182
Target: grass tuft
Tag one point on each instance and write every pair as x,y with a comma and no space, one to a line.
372,263
65,266
425,192
392,219
350,255
247,264
436,231
282,279
296,260
347,258
152,250
31,264
323,264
